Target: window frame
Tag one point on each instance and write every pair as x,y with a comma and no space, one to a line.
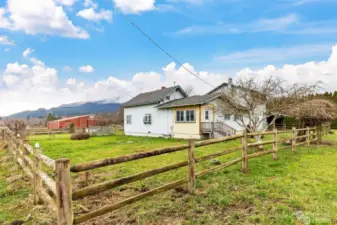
207,114
180,114
227,116
238,117
147,119
185,116
167,98
129,119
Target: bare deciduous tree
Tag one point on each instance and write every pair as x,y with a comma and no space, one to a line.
18,126
252,100
189,90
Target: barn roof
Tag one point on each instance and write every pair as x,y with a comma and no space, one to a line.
152,97
73,117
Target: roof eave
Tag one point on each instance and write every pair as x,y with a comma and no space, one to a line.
135,105
176,106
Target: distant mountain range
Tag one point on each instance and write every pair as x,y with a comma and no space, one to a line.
73,109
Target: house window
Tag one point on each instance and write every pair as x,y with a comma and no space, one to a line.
129,119
206,115
189,116
147,119
180,116
167,98
185,116
238,117
227,116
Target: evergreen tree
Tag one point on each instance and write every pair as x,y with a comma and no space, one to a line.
50,117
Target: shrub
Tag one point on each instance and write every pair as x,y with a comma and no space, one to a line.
80,136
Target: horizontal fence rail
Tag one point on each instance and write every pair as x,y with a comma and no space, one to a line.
59,195
127,158
30,160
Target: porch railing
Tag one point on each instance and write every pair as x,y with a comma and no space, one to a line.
219,127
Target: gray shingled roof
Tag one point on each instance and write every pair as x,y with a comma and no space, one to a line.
152,97
217,88
193,100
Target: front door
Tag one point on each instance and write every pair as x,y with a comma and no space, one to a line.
207,115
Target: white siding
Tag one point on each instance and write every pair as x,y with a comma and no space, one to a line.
174,95
161,121
232,123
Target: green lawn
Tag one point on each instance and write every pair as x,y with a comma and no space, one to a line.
298,188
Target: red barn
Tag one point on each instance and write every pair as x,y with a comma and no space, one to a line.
80,122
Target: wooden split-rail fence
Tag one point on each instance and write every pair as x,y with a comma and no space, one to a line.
59,195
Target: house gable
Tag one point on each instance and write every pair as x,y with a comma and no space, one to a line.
156,97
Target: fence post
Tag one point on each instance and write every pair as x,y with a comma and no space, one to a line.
275,147
308,136
319,132
244,153
64,202
37,183
191,167
293,143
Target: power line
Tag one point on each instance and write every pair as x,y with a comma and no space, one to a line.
163,50
10,41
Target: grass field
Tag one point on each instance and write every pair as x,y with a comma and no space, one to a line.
298,188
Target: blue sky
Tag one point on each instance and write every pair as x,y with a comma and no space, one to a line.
216,39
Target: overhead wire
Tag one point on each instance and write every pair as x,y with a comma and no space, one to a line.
166,52
152,41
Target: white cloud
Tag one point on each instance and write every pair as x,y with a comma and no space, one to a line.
10,80
290,24
86,69
4,39
277,54
275,24
27,52
7,49
66,2
4,22
41,86
39,16
71,81
35,61
261,25
193,2
310,72
67,69
134,6
91,14
304,2
37,76
16,68
90,3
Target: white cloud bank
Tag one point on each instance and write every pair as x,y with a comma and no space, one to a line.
25,87
40,17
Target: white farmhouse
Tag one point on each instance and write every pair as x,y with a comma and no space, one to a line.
170,112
